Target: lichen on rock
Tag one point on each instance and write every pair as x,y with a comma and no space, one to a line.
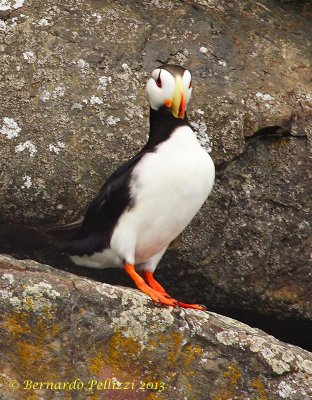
65,328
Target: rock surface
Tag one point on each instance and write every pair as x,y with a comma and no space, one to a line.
72,108
58,328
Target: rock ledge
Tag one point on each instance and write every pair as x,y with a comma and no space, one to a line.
64,336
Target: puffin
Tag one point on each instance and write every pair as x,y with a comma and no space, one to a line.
150,199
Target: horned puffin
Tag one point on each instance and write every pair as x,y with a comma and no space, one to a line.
150,199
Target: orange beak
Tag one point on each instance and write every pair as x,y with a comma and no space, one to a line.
182,106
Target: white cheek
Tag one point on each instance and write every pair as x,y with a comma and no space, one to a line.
187,78
158,95
154,94
188,93
167,90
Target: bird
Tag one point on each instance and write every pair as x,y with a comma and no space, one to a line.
150,199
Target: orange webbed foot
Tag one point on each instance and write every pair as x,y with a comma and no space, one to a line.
155,290
151,281
155,295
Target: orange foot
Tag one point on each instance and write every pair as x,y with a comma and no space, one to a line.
152,293
155,290
151,281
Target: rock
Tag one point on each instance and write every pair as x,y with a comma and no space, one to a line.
255,195
73,108
58,330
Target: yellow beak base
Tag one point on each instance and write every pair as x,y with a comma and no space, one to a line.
178,99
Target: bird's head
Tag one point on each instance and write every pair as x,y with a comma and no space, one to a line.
170,86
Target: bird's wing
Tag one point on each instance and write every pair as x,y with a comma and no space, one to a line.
92,232
111,200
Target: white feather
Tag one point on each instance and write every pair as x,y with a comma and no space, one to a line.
168,187
102,259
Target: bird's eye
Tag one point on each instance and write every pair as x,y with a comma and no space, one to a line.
190,85
158,81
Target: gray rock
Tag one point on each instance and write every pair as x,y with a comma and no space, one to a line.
58,328
73,108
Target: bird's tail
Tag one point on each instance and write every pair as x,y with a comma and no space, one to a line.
67,231
92,243
73,239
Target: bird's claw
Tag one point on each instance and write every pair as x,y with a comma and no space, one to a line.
166,301
169,301
192,306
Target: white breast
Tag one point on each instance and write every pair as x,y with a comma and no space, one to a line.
168,186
